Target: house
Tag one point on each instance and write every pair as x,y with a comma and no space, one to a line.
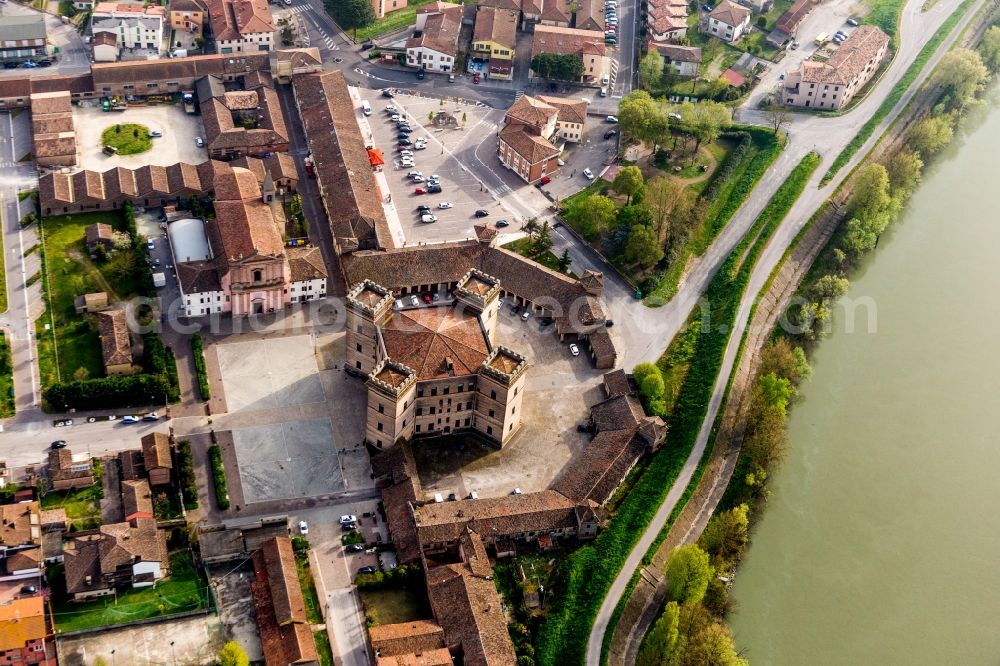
20,540
136,26
116,343
156,458
128,554
684,61
287,62
241,26
733,78
239,123
418,637
383,7
666,20
285,633
832,84
98,234
587,44
437,46
94,302
137,500
415,356
52,128
729,22
188,16
105,46
22,38
24,633
525,144
787,27
589,15
493,40
68,471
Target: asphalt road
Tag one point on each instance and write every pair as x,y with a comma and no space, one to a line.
828,135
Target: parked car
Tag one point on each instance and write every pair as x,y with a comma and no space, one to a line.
28,589
574,350
420,75
58,444
394,117
420,190
427,299
417,179
156,134
588,174
130,419
475,78
390,109
795,45
348,519
405,142
65,422
414,301
525,315
482,212
367,46
355,548
423,209
428,218
303,527
152,416
853,22
370,569
611,119
387,93
500,224
545,180
433,188
516,491
610,133
444,205
200,142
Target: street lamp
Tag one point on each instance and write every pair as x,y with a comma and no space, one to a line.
173,657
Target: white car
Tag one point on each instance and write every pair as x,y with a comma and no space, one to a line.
414,301
561,162
419,146
417,179
428,219
611,119
606,80
525,315
415,173
303,528
574,350
406,162
588,174
347,520
444,204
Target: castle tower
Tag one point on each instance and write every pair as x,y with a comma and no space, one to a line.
368,307
479,292
498,394
391,395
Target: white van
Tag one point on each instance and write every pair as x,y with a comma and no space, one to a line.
438,499
366,107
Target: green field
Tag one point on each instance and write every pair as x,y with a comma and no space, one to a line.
128,138
185,590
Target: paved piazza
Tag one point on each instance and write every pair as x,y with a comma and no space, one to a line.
268,374
288,460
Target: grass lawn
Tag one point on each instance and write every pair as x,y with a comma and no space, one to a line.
6,377
128,138
392,21
185,590
70,273
323,648
313,612
389,606
82,505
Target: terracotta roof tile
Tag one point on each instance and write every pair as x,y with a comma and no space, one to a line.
730,13
116,345
428,339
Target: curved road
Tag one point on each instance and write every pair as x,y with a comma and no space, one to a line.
806,133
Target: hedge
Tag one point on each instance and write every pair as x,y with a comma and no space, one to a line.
218,477
159,360
896,93
107,392
198,350
185,471
587,574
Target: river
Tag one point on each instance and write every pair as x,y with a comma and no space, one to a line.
881,541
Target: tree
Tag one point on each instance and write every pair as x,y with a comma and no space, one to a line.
565,261
591,215
642,119
989,49
559,66
688,572
652,387
650,69
785,361
963,75
778,115
871,191
80,374
712,645
931,135
232,654
773,391
641,247
643,370
905,169
351,14
543,241
831,287
727,534
705,120
530,227
627,182
674,209
661,641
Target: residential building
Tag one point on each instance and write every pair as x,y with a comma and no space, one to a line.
92,302
96,234
105,46
832,84
589,15
729,22
434,370
285,632
418,637
558,13
24,634
241,26
436,48
525,144
22,38
666,19
116,343
383,7
787,27
287,62
20,540
137,500
188,15
683,61
68,471
128,554
135,26
52,129
156,458
587,44
493,40
241,122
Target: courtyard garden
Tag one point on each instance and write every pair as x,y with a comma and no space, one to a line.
128,138
82,505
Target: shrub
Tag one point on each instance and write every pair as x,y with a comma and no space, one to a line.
198,350
185,472
160,360
107,392
300,544
218,477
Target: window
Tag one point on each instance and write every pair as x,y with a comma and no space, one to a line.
434,390
489,430
357,364
493,395
446,390
417,428
361,329
358,347
468,405
433,410
379,426
491,413
460,387
381,408
258,275
420,411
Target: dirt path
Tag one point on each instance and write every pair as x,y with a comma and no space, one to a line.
712,163
92,271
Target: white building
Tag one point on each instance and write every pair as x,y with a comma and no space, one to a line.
436,47
134,26
729,22
684,61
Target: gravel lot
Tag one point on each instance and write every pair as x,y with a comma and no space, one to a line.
176,145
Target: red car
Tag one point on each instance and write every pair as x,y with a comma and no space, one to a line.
545,180
475,78
420,190
427,298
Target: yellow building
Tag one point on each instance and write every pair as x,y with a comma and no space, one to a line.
493,41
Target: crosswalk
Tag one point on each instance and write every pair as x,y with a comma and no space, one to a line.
518,95
306,12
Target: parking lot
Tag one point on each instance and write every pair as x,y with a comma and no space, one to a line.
559,391
176,145
459,185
